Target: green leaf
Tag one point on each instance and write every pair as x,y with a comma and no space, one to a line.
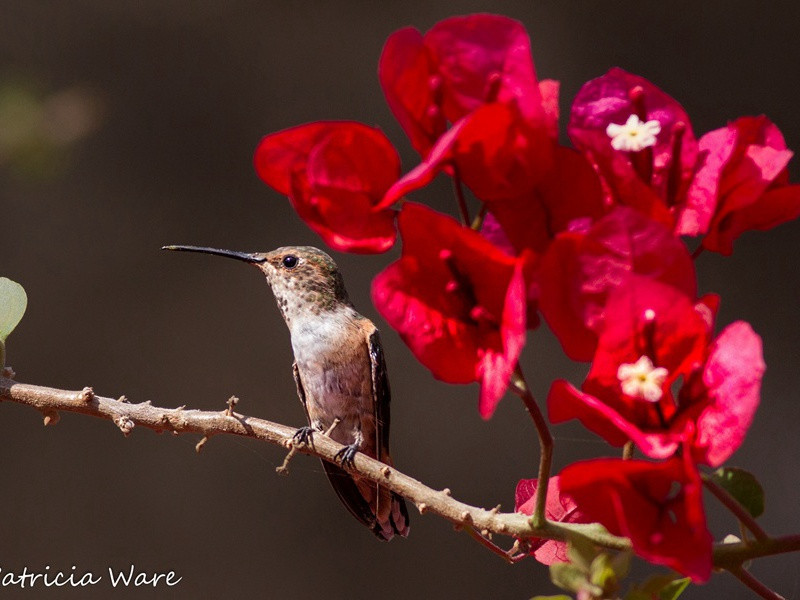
622,564
664,587
581,551
601,573
568,576
13,302
656,583
672,590
743,486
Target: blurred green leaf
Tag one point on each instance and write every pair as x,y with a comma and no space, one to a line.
581,551
559,597
674,589
743,486
13,302
621,563
663,587
656,583
601,573
568,576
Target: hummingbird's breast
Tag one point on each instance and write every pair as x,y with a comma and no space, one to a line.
334,366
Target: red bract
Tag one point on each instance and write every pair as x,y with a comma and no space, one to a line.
653,336
460,64
533,187
457,301
640,141
568,196
412,88
580,269
559,507
334,174
729,393
659,506
742,184
497,154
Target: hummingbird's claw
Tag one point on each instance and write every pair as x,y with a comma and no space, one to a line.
347,455
304,436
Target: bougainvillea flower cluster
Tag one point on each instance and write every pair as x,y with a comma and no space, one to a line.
590,237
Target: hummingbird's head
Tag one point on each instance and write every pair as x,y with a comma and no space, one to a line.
304,279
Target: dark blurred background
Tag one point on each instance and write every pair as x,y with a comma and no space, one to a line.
137,123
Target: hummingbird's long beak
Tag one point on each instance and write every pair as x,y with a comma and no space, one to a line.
245,256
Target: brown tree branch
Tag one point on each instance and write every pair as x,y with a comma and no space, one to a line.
127,417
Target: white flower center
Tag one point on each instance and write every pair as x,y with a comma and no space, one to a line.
642,379
634,135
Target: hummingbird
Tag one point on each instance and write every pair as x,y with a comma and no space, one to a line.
340,374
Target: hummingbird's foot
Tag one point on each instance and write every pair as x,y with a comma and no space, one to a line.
304,436
347,455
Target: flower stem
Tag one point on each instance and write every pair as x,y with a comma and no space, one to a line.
754,584
477,222
733,505
459,192
520,387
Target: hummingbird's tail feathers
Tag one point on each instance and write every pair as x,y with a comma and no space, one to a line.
383,526
346,488
401,524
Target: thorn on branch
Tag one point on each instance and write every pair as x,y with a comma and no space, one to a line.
330,429
446,492
123,399
125,424
201,443
51,417
232,401
386,472
422,508
284,468
495,510
8,373
86,395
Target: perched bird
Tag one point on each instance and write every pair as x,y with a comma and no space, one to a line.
340,374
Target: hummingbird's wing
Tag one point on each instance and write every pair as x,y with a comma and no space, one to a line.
301,393
381,395
394,517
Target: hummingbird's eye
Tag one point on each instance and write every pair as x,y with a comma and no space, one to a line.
290,261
